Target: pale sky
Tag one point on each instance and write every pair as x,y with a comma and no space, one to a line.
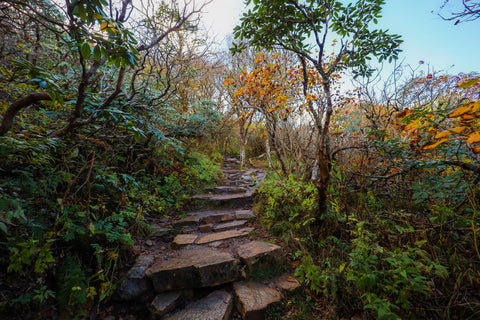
440,44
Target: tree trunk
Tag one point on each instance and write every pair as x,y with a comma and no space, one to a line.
271,129
242,154
243,142
321,179
267,150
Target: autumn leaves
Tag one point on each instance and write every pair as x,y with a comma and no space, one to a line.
437,126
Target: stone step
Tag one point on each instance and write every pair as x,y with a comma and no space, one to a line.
224,235
227,189
253,299
237,183
206,216
188,238
230,200
229,225
210,220
216,306
193,268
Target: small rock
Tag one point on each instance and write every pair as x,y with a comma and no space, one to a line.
149,243
253,299
216,306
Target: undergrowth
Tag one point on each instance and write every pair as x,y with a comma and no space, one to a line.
371,258
68,222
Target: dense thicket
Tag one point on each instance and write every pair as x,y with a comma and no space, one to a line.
107,121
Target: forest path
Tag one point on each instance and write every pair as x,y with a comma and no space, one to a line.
215,264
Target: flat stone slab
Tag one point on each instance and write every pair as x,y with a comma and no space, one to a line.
216,306
259,254
194,268
253,299
184,239
244,214
136,284
211,237
229,225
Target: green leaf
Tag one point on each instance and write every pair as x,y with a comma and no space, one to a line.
86,50
97,53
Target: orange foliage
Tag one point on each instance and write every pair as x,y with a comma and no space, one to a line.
463,124
263,87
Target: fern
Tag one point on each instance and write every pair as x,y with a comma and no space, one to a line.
73,284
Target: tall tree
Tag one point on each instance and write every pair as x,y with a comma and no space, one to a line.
306,27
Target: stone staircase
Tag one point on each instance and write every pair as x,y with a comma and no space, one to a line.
216,266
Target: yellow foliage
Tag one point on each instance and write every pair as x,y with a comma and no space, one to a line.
473,137
469,108
448,132
415,124
433,145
